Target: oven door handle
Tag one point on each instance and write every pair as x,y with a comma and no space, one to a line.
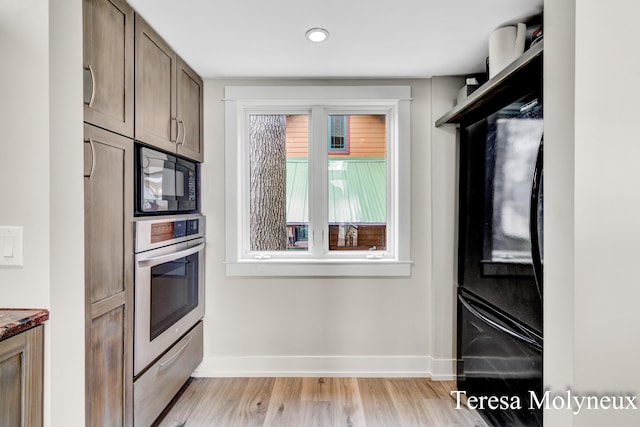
170,257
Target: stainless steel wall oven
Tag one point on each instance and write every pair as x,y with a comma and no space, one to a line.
169,283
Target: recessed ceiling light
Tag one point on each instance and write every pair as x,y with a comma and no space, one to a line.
317,35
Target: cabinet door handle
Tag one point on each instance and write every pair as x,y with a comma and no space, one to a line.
88,72
178,134
89,143
174,125
184,131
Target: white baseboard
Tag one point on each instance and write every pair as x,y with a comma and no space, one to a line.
443,369
326,366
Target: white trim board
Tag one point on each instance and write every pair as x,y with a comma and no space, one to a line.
326,366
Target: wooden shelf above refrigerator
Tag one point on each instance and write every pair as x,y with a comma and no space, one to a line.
526,67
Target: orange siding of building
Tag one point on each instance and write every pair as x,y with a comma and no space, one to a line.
367,137
297,136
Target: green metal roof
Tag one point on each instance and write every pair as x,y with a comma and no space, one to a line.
357,191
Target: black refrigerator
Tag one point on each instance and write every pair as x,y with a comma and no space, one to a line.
500,258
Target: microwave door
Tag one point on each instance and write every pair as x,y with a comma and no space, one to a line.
168,199
153,189
169,187
165,184
158,181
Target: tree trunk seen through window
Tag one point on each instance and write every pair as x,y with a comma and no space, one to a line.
268,179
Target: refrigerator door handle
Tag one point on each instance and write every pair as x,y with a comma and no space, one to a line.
536,186
476,312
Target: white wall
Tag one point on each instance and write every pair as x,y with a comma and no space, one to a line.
444,226
324,326
559,112
591,203
40,168
66,215
24,148
607,205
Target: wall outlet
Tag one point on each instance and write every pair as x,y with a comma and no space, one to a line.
11,246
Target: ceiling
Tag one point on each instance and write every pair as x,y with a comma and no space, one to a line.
368,38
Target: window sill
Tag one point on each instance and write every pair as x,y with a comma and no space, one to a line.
320,268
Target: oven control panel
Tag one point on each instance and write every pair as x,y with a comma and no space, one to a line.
167,231
156,232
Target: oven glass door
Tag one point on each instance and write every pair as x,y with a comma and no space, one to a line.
174,292
169,297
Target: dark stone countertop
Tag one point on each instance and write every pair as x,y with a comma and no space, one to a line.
16,320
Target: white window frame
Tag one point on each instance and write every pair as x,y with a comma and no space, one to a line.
318,102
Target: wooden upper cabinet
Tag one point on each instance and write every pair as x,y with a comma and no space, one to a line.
189,112
168,96
108,65
155,79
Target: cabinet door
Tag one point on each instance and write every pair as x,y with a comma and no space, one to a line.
109,392
21,372
189,112
108,277
155,77
108,64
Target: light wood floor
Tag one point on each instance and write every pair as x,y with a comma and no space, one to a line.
318,402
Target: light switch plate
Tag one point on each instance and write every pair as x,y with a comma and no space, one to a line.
11,246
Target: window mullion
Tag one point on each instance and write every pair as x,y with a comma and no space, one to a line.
318,181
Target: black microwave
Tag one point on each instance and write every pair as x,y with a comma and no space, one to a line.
165,184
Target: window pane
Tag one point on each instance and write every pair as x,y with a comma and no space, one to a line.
279,182
358,184
338,142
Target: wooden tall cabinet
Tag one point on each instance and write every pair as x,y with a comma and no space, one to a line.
135,86
108,65
168,105
108,277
